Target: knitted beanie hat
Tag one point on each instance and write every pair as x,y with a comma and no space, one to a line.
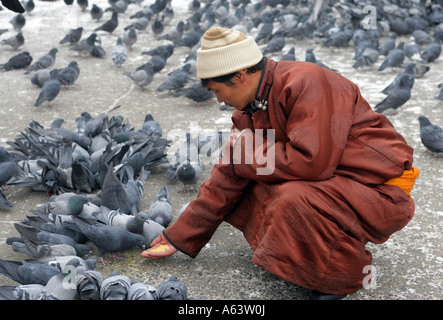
224,51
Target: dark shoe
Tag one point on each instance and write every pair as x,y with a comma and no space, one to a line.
317,295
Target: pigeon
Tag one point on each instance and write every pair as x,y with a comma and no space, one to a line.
141,23
96,12
421,37
310,57
176,80
27,272
21,292
109,239
368,57
142,77
8,169
50,89
130,38
189,173
394,58
73,36
15,41
387,45
110,25
141,291
190,39
133,187
119,52
290,55
174,34
40,77
115,287
160,209
398,97
85,45
118,6
440,95
83,4
265,31
18,61
409,70
157,27
168,48
412,50
172,290
431,135
44,62
83,180
18,22
276,43
195,92
43,250
88,283
69,75
151,230
59,287
113,194
432,51
151,127
132,223
13,5
67,204
158,62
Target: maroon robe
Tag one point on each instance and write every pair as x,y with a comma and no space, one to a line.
308,221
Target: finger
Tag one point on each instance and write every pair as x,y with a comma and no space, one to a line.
160,250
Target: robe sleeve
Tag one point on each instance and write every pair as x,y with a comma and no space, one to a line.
312,150
216,199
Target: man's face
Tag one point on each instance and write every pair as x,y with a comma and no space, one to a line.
236,95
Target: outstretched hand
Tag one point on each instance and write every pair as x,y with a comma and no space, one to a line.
160,247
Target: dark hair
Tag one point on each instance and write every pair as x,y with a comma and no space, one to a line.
227,78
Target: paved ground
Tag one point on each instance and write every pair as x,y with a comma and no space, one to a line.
408,266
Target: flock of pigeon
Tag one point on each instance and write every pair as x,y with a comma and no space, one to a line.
95,173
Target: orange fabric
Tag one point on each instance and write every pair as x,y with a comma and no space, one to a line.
406,181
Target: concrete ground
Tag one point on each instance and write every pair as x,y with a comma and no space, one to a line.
407,266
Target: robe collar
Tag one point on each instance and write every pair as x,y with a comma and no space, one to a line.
264,87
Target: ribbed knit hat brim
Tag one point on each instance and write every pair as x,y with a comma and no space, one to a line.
224,51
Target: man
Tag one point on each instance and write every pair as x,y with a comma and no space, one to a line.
340,174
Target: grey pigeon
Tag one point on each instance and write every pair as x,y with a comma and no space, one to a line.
195,92
113,194
88,283
44,62
119,52
174,34
290,55
431,135
397,97
28,273
440,94
29,6
151,230
73,36
109,239
83,4
15,41
421,37
43,250
276,43
13,5
18,61
67,204
140,24
168,48
40,77
157,27
8,169
134,187
83,179
412,50
189,173
142,77
409,70
130,38
190,39
265,31
18,22
50,89
59,288
118,6
141,291
115,287
132,223
177,80
160,209
387,45
172,290
69,75
151,127
110,25
310,57
368,57
96,12
26,292
394,58
432,51
85,45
